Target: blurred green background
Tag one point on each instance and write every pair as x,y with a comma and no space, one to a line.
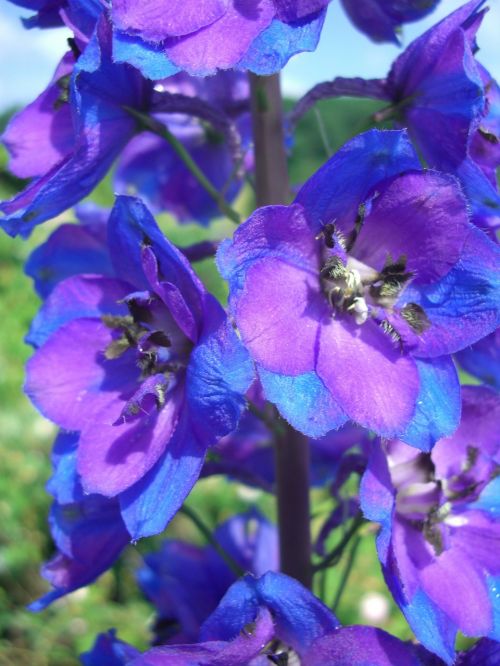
56,636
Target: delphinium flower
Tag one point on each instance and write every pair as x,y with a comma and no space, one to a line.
69,137
88,530
448,102
274,620
151,168
352,299
162,37
186,582
144,366
381,20
482,360
440,534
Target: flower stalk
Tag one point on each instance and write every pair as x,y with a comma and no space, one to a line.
291,447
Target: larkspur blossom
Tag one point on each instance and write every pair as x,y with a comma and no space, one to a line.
440,530
69,137
352,299
149,371
151,169
162,37
186,582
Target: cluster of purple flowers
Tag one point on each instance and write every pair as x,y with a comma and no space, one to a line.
348,312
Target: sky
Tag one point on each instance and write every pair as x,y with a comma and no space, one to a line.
28,58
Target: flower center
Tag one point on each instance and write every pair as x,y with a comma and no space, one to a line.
355,289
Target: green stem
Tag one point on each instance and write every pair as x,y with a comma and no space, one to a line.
207,533
160,130
336,553
345,574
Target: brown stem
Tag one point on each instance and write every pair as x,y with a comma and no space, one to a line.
292,449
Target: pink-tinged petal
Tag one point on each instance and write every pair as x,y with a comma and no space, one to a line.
460,591
155,21
211,45
279,315
70,380
422,215
368,375
39,136
112,456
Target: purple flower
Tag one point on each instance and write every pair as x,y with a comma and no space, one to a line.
381,20
440,533
482,360
74,143
88,530
186,582
144,366
450,105
254,612
351,300
151,168
162,37
68,138
345,646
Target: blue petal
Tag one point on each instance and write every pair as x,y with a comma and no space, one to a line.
300,618
430,625
153,501
130,226
70,250
219,373
489,500
272,49
303,401
345,181
109,651
464,306
148,59
493,583
64,485
438,406
377,497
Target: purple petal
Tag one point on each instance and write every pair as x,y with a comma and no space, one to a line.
462,596
69,379
41,135
421,215
279,314
335,192
207,50
464,305
155,21
293,10
112,456
367,375
74,298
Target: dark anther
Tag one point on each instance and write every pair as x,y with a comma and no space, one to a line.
117,321
489,136
328,234
74,47
416,317
160,338
279,659
358,225
432,533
